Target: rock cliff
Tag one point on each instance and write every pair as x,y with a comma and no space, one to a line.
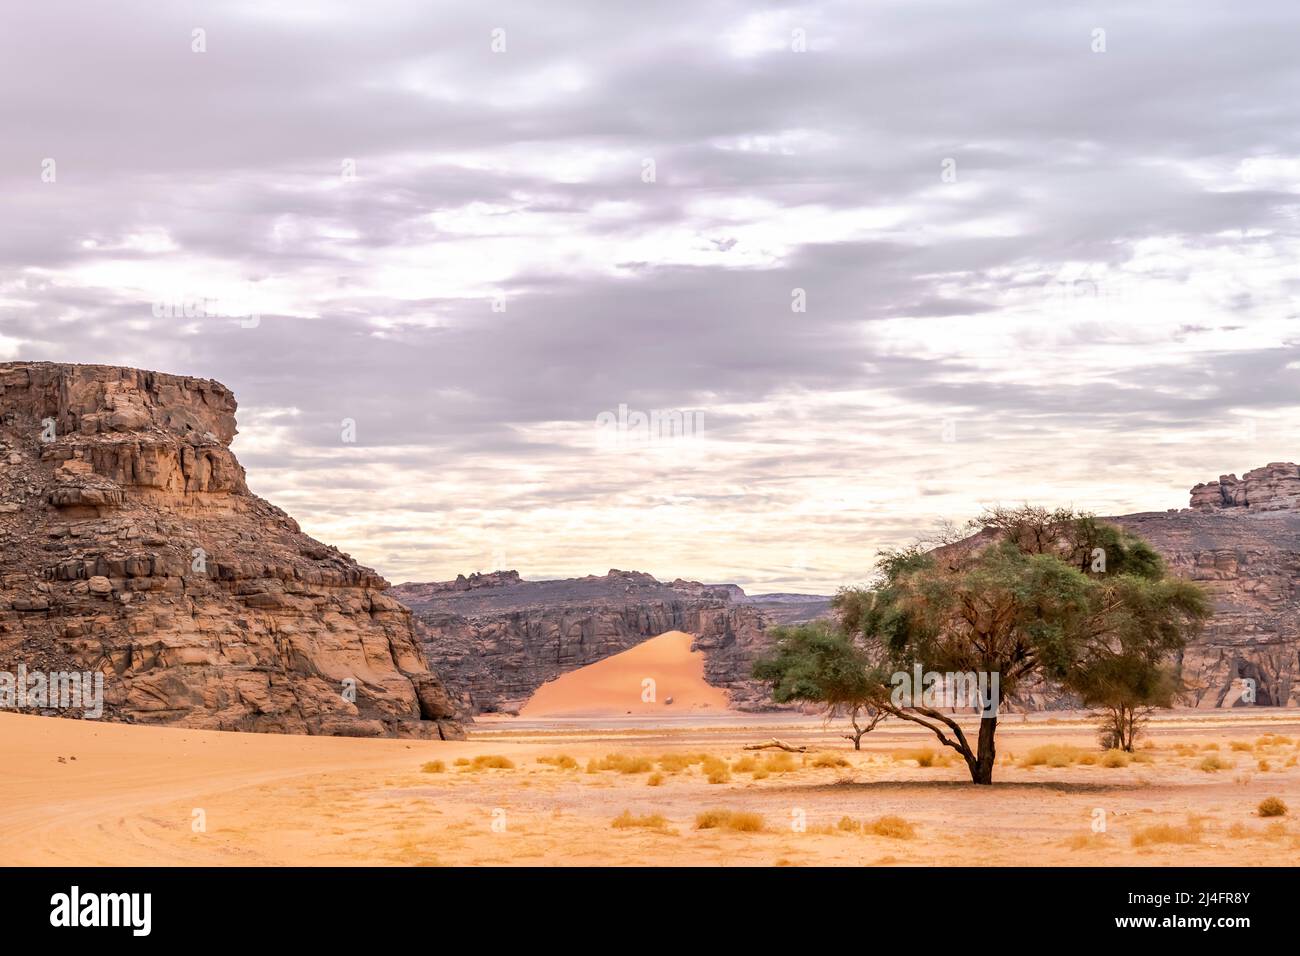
130,544
498,638
1241,540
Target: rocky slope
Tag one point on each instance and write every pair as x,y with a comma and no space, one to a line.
130,544
1241,539
498,638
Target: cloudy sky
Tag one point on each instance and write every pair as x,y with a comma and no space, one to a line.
883,263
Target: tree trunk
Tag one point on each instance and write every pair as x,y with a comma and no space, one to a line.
982,771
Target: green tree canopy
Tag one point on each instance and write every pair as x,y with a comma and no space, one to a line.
1033,596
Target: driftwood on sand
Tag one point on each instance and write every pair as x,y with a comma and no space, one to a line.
775,744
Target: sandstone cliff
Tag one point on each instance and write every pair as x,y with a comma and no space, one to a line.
130,544
498,638
1241,540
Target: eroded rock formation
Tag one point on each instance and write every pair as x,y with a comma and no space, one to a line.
498,638
130,544
1241,540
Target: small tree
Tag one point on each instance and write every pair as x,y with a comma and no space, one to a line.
1126,688
820,664
1035,595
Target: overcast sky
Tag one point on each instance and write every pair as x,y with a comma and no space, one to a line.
891,261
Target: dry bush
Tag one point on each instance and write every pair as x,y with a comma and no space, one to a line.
1209,746
1264,766
739,821
780,762
1168,833
486,762
891,826
626,821
760,775
1087,841
433,766
622,763
746,764
849,825
829,760
924,757
1214,763
1116,758
1271,807
676,763
562,761
655,779
1052,755
1241,745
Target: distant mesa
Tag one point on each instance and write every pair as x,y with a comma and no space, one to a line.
497,643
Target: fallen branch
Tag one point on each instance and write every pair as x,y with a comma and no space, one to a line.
775,744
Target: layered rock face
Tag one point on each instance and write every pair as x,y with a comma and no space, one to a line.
1275,487
130,544
1241,540
498,638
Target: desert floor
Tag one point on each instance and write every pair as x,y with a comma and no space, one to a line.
87,793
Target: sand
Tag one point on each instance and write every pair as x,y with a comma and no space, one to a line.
131,794
618,684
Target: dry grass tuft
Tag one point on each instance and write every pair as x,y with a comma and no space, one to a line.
626,821
655,779
829,760
621,763
1116,758
485,762
562,761
1052,755
1214,763
433,766
1272,807
741,822
780,762
890,826
1168,833
924,757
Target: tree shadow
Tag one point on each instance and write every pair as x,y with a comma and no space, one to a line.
930,786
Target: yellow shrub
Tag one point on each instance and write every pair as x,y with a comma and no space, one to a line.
829,760
1051,755
891,826
562,761
622,763
487,762
780,762
1168,833
434,766
626,821
654,780
1272,807
729,820
1115,758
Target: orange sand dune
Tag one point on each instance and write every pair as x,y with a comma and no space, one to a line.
617,685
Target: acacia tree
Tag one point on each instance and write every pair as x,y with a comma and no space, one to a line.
820,664
1126,688
1033,596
